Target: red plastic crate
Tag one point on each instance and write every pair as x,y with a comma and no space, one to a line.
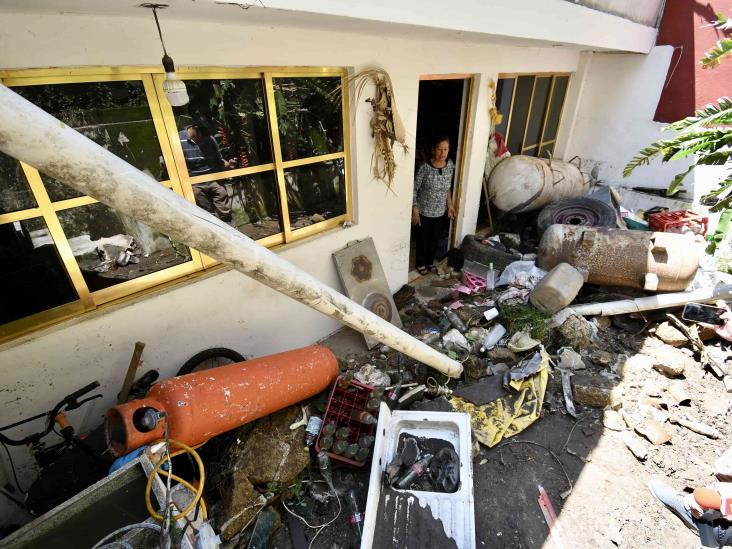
339,409
666,222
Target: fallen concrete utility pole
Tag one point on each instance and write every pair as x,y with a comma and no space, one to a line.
659,301
37,138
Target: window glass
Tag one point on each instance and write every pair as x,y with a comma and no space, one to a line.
504,93
555,108
309,116
248,203
315,192
111,247
32,276
115,115
16,194
538,108
224,126
524,86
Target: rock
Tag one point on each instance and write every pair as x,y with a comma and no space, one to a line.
603,358
498,368
596,391
653,431
576,332
635,445
670,335
666,359
678,394
502,354
271,453
637,364
602,322
371,375
570,360
613,420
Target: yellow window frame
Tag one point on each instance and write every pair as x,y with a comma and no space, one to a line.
179,181
542,142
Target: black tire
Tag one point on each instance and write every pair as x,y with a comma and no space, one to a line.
210,358
586,212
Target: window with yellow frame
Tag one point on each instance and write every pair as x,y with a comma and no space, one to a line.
531,105
264,150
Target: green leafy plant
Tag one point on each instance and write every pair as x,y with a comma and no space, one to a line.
707,135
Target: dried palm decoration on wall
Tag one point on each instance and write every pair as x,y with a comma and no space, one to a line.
386,125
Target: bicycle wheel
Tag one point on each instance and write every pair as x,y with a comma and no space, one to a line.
210,358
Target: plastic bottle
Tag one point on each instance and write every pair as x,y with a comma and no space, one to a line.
490,278
455,320
415,471
312,430
494,335
356,515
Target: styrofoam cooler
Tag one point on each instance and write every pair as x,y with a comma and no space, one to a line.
456,510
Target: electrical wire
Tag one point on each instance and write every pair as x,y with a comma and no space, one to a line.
320,527
198,492
12,468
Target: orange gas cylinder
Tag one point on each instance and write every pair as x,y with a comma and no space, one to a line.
204,404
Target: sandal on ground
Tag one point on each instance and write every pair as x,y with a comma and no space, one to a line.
423,270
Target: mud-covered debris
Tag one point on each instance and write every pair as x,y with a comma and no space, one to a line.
602,358
596,391
502,354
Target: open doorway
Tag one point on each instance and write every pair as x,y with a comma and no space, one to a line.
442,110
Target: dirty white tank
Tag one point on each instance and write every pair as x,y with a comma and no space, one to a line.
524,183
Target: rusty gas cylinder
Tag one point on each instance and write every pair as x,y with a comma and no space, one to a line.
204,404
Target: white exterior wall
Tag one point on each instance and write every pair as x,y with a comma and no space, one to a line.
614,99
225,308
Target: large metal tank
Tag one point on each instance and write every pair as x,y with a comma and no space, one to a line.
524,183
665,262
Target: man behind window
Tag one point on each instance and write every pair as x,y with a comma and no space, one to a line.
203,156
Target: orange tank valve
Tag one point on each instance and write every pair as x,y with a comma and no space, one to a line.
204,404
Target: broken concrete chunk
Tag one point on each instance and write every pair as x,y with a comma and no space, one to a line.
670,335
596,391
576,332
475,368
613,420
239,506
678,394
666,359
371,375
635,445
570,360
653,431
696,426
637,363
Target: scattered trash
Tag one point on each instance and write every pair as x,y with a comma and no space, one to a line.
570,360
455,340
567,391
369,374
522,274
491,314
521,342
494,335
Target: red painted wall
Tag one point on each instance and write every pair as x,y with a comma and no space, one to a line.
686,26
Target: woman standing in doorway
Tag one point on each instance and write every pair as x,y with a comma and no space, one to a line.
432,196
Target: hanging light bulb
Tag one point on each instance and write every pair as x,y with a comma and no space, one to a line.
175,89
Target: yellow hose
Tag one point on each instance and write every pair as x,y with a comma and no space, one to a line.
198,492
